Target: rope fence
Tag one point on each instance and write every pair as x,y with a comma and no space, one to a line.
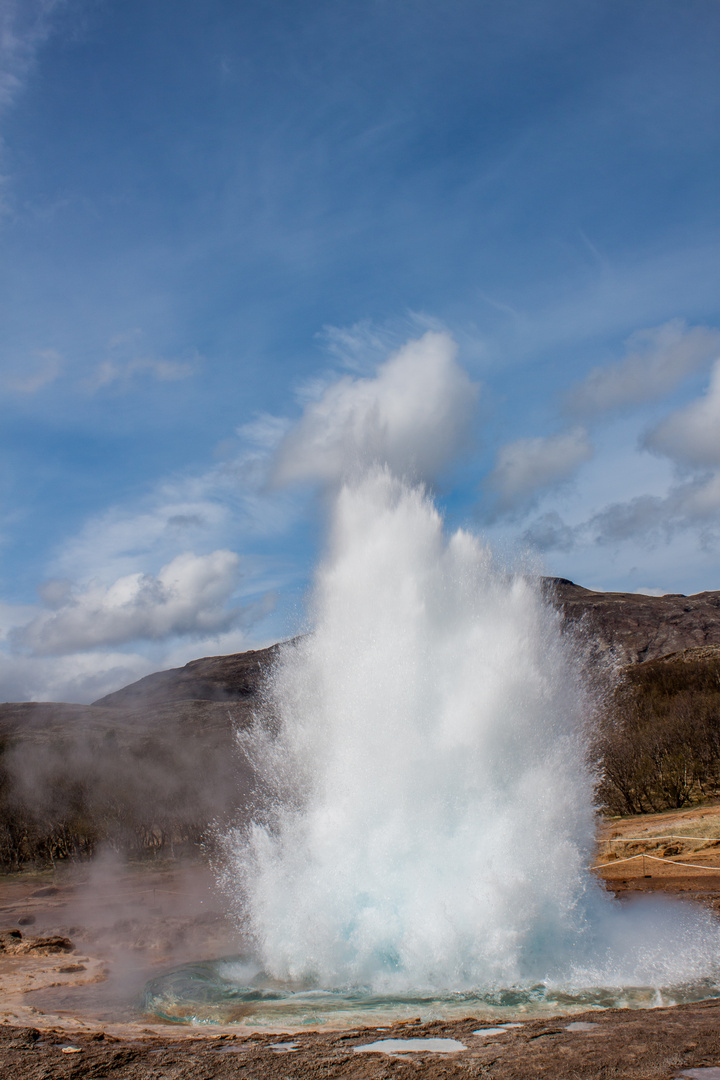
657,858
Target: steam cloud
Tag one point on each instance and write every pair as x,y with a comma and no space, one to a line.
429,811
412,416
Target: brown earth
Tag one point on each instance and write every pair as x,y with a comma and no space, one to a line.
655,1045
677,852
71,1014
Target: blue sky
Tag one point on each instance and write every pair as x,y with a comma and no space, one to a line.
219,225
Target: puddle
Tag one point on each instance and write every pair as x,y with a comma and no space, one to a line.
411,1046
284,1048
495,1030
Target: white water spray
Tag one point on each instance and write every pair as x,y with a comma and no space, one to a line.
431,812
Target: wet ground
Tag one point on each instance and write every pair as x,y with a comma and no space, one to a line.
659,1043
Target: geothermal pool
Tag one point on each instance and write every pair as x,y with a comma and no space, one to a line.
424,825
215,992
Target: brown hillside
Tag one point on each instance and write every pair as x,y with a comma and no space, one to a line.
639,627
236,677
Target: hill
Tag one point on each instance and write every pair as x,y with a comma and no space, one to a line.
637,627
236,677
155,766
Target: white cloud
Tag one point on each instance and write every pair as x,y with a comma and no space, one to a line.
411,416
121,372
527,466
655,361
188,597
691,435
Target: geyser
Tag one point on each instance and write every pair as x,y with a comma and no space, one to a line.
429,807
426,821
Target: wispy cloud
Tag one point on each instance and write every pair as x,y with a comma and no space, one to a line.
44,373
24,26
120,373
265,431
46,366
360,346
656,360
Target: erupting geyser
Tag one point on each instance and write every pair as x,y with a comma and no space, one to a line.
428,814
424,821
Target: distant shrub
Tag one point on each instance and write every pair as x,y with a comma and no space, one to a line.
157,794
658,745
